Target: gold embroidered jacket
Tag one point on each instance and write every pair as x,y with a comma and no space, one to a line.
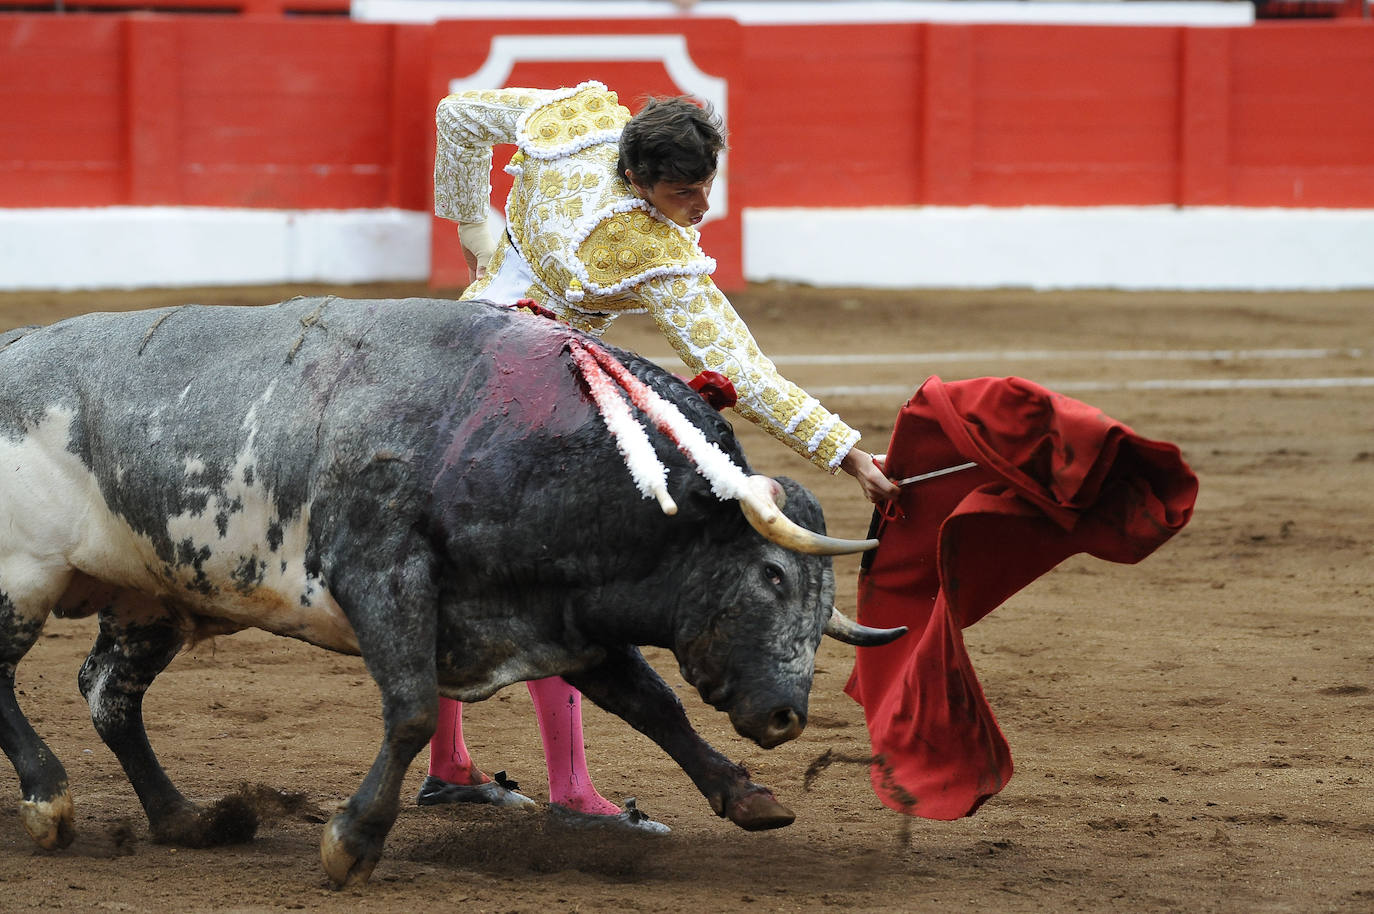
583,244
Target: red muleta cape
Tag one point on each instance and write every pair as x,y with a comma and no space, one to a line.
1054,477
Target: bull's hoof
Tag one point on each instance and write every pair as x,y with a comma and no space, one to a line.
50,822
231,820
341,866
759,812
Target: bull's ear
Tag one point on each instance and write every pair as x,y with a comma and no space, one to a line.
842,628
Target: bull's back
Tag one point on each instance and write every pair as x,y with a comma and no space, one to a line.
156,390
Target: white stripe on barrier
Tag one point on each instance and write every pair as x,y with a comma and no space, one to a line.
917,247
1071,355
1066,355
1053,355
1061,247
1224,384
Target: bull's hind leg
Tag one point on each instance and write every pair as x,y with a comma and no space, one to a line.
45,806
125,660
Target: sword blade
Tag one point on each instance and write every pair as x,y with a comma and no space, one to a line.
933,473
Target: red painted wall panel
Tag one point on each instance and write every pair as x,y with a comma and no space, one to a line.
1204,173
255,7
61,98
1302,115
64,128
830,114
410,113
840,136
1074,116
296,111
211,111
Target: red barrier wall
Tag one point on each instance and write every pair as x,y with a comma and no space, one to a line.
1301,107
998,115
338,8
329,113
212,111
62,130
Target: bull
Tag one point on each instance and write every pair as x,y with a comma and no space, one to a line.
427,484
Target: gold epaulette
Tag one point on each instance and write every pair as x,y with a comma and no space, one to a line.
572,120
633,245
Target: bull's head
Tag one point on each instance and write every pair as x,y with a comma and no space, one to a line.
752,654
762,512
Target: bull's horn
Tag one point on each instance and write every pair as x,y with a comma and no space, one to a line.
759,505
842,628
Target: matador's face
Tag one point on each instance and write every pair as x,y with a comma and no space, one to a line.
683,203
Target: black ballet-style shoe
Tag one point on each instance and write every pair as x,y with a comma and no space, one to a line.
500,791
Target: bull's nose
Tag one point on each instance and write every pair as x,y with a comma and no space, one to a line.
783,724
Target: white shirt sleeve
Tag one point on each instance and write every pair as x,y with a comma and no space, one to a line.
467,125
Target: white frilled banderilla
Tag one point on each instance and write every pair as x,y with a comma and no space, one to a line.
610,383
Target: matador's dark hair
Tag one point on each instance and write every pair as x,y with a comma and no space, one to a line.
671,139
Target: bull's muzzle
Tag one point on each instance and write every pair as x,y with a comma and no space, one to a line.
760,505
778,726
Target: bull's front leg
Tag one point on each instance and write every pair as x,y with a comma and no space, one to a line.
353,839
625,685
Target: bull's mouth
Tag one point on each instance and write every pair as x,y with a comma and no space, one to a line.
717,695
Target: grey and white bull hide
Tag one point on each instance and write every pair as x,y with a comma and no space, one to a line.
425,483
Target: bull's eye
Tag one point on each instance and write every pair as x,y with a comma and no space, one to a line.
774,575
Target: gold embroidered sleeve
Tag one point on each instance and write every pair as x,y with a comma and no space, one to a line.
467,125
706,333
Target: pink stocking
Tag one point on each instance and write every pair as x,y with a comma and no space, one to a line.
449,759
559,709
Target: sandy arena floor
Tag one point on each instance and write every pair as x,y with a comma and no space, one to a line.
1191,734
